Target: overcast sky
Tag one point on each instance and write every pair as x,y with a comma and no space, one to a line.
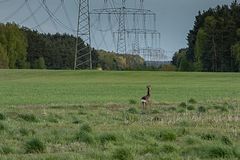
174,18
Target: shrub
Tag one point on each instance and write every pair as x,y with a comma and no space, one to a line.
167,135
6,150
131,101
192,101
133,110
202,109
35,146
86,128
122,154
2,116
226,140
168,67
2,126
107,137
28,117
191,107
85,137
183,105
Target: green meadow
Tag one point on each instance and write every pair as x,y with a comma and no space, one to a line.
31,87
81,115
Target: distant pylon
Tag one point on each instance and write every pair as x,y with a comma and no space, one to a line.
121,43
83,55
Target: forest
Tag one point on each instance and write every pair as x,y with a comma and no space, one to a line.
23,48
213,43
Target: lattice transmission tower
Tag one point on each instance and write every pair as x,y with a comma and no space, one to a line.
83,55
136,26
122,14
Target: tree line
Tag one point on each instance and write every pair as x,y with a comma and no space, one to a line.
213,43
21,47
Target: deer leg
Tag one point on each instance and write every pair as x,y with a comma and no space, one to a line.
144,106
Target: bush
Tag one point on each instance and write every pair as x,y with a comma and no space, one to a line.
226,140
85,137
86,128
35,146
2,116
2,127
168,67
167,136
192,101
131,101
183,105
133,110
107,137
190,108
122,154
28,117
202,109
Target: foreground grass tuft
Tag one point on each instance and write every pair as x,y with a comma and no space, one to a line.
166,135
35,146
192,101
28,117
86,128
210,151
6,150
107,137
132,101
2,126
133,110
122,154
2,116
84,137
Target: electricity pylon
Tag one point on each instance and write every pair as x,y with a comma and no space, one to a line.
83,55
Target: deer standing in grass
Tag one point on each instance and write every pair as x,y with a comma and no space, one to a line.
145,99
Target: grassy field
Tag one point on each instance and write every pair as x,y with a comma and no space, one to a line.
52,115
28,87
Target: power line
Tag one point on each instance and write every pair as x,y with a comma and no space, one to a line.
33,15
49,17
30,16
16,11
